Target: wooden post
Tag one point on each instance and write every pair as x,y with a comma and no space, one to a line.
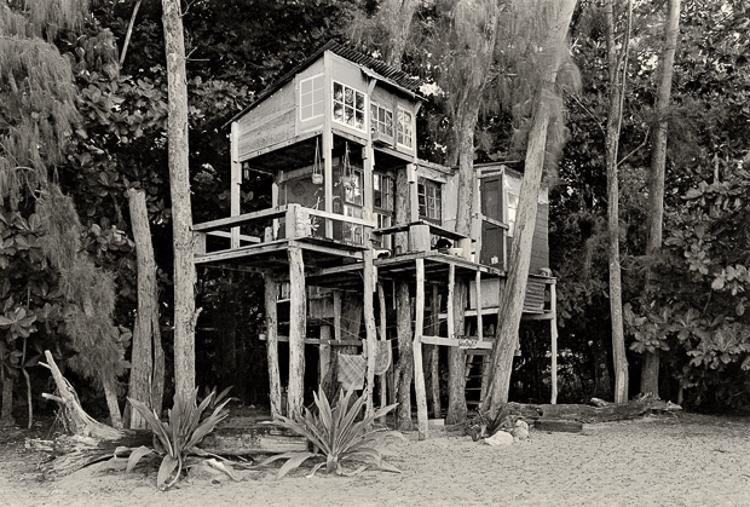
290,221
324,359
419,383
236,182
272,344
480,323
384,338
411,175
327,143
369,314
451,295
297,332
435,353
553,336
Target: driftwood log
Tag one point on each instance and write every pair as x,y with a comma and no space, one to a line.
603,412
90,441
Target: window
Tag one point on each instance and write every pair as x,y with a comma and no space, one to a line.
512,208
405,128
348,106
381,120
353,233
353,187
383,186
383,220
429,195
311,97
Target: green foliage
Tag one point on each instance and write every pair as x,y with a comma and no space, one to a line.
338,437
176,440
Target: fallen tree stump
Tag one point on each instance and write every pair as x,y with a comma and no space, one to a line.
588,413
91,441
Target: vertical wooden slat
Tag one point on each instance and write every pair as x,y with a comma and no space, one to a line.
369,314
297,332
236,182
384,338
419,382
553,335
327,142
451,295
434,355
480,323
272,347
324,358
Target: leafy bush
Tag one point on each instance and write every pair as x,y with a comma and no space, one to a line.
177,439
338,437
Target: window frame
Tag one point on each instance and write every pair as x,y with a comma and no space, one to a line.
375,122
365,106
437,199
312,94
399,110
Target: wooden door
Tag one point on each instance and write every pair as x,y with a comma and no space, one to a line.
493,230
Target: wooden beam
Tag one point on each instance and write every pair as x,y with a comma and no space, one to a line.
228,235
262,248
272,349
324,355
451,296
480,323
434,355
223,223
369,315
337,315
419,382
455,342
553,336
235,182
281,144
297,331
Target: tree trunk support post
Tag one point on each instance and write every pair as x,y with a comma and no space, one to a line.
236,183
419,382
384,339
297,332
553,339
272,344
370,333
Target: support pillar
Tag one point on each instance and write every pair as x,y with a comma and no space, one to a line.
297,333
553,337
369,315
384,338
419,382
272,344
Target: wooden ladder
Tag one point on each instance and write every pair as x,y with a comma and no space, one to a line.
476,362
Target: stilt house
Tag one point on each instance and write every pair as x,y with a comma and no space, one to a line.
354,212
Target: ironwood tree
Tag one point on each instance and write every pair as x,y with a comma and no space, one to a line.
539,32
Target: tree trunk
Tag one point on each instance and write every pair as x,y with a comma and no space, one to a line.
405,370
398,15
6,411
650,368
146,376
614,121
109,384
433,353
185,314
370,332
457,409
510,307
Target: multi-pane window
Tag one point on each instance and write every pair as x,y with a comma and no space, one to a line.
348,106
381,120
311,97
353,200
405,131
383,191
429,195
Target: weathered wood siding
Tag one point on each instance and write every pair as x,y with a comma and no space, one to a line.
269,123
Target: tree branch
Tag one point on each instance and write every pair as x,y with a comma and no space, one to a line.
129,33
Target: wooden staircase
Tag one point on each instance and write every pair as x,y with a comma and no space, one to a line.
476,362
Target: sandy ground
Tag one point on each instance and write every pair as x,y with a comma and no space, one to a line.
690,460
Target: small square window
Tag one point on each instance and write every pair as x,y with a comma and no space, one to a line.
348,106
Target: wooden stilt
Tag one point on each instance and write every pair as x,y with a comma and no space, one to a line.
480,324
297,333
434,355
272,347
324,358
236,182
370,333
553,336
451,295
419,383
384,338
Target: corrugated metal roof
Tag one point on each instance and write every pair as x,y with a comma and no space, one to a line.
384,72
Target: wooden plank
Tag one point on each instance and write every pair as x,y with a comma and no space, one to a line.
297,329
419,381
259,249
272,349
455,342
480,323
324,355
223,223
369,315
235,183
228,235
340,218
282,144
553,337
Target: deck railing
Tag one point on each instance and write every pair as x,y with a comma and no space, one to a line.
290,221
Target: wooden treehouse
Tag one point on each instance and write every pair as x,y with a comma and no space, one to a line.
353,213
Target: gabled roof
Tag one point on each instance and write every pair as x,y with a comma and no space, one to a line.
378,69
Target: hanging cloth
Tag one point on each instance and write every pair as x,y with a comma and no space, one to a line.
352,370
383,357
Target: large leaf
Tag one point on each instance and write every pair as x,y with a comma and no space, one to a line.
136,456
222,467
294,462
169,470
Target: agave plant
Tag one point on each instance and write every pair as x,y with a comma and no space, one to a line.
178,438
337,437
